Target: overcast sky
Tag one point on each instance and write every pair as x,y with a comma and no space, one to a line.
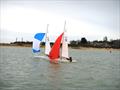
92,19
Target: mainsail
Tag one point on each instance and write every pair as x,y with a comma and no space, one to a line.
55,51
36,42
65,44
47,43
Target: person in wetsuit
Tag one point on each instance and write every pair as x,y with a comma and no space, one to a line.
70,58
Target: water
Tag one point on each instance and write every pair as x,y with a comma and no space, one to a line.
95,70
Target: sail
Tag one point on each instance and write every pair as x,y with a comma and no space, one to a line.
47,43
65,47
55,51
36,42
65,44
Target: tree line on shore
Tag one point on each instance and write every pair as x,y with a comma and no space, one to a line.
96,44
77,43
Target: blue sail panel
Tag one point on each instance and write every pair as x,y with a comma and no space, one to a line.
39,36
35,51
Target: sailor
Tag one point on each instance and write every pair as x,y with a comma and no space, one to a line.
70,58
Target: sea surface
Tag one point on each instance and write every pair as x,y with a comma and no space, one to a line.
95,70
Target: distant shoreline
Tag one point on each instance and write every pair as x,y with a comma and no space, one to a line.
80,48
9,45
16,46
91,48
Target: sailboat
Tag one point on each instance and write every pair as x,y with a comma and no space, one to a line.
36,46
54,54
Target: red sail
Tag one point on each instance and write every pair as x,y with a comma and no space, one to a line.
55,51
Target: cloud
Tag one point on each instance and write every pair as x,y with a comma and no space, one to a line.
92,19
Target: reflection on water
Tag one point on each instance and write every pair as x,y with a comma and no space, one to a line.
54,76
95,70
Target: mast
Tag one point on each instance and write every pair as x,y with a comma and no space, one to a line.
46,38
65,26
47,28
47,42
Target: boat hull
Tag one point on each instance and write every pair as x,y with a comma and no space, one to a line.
67,61
59,60
42,57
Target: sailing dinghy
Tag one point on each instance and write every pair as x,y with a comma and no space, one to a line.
36,43
54,54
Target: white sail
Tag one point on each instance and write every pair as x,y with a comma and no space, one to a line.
47,43
65,44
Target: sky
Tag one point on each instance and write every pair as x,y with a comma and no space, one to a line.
92,19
